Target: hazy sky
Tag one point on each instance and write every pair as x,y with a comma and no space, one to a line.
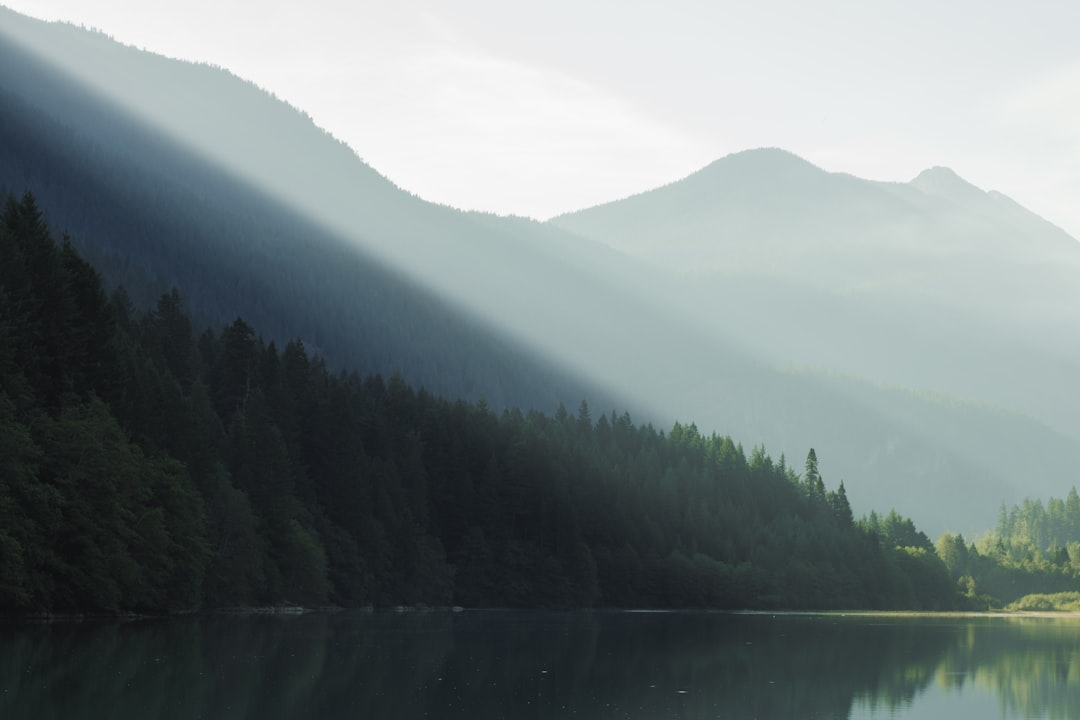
543,107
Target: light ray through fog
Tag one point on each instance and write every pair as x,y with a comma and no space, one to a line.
703,346
407,235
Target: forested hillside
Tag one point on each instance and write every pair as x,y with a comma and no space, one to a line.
169,174
153,214
959,302
148,466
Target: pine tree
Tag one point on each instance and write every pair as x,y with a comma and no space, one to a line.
812,482
841,508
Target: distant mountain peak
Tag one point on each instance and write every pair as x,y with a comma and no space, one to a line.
741,172
945,183
938,172
771,160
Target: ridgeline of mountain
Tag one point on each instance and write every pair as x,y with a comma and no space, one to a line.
770,211
168,173
153,213
943,182
932,285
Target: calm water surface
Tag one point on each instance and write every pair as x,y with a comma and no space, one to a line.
529,665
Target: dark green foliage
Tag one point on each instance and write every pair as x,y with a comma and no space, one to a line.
841,508
145,470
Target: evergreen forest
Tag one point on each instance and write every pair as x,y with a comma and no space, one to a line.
1034,550
746,297
147,465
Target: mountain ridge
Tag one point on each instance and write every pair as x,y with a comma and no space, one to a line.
932,284
763,175
614,328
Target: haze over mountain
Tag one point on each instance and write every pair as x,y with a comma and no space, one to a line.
770,206
933,284
187,175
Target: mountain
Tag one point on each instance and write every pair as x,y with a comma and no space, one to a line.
768,209
153,212
168,173
932,285
98,128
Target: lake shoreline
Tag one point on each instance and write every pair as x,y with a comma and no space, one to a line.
295,610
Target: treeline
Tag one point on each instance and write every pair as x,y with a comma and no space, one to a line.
1031,531
146,467
1034,549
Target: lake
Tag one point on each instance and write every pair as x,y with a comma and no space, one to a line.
535,665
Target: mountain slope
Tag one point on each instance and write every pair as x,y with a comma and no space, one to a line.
932,284
152,215
250,209
146,470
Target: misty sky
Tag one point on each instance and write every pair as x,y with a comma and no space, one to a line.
540,108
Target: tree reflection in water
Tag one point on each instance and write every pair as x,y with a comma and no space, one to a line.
534,665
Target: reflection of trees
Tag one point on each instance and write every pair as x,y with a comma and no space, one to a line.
688,665
529,665
482,664
127,670
1032,664
317,666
